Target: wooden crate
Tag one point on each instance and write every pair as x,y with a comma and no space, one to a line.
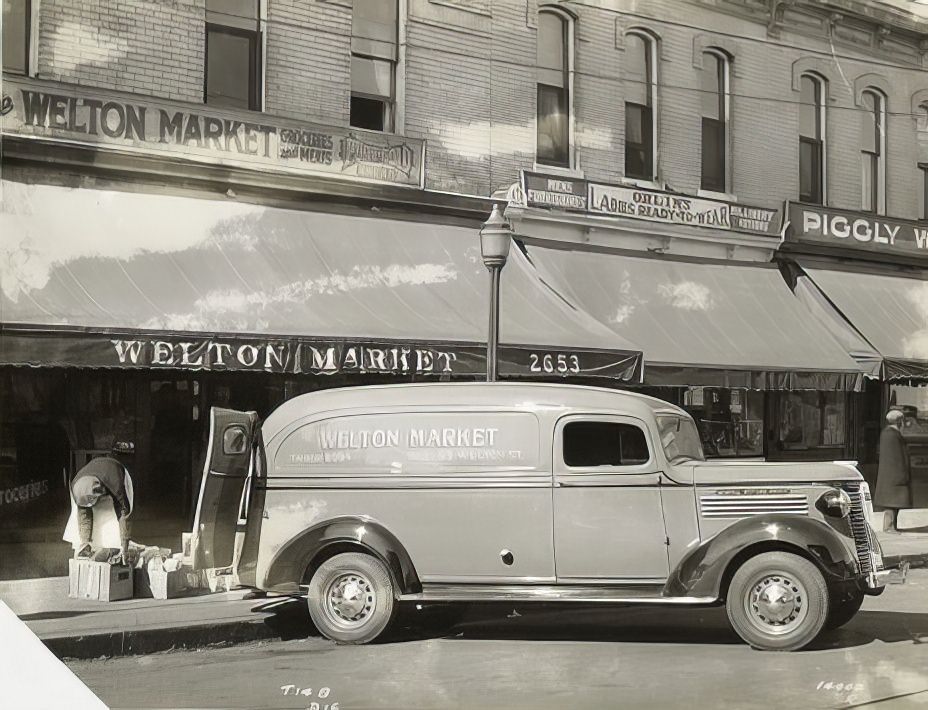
99,580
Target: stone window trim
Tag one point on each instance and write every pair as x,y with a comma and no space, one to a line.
919,101
717,44
816,67
878,83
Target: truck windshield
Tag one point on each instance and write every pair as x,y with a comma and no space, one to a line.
680,438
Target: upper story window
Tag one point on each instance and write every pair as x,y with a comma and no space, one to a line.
374,40
923,168
233,54
640,99
592,443
715,113
873,151
554,62
811,139
17,15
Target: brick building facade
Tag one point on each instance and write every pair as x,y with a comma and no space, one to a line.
468,81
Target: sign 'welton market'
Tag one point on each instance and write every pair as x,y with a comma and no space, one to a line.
248,139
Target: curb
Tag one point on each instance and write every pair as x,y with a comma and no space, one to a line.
143,641
915,561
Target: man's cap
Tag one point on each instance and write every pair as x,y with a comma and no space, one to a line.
87,490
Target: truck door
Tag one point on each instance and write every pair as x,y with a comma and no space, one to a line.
229,458
608,518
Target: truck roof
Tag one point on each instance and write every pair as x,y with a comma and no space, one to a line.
518,395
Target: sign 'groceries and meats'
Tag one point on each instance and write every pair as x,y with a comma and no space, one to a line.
129,123
857,231
78,348
651,205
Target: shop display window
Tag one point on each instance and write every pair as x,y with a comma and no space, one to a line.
730,421
913,401
810,420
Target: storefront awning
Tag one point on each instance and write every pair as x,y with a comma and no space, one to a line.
890,312
732,325
101,278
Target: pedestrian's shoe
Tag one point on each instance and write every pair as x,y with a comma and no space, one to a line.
84,553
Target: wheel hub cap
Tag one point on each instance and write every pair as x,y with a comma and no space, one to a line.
776,603
351,599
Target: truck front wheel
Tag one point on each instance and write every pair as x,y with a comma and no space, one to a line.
777,601
351,598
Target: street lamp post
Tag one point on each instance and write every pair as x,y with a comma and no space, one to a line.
495,238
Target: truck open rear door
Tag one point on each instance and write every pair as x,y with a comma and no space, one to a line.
229,460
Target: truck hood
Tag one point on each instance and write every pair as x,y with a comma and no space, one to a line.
756,472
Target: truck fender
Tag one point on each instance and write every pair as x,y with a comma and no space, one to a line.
291,562
702,572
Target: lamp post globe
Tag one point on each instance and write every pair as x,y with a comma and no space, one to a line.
495,240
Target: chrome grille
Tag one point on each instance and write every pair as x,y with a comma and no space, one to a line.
741,505
859,527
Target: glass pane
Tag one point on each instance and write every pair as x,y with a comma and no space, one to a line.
867,182
809,108
922,118
551,49
810,171
712,86
369,113
233,13
15,28
553,147
604,444
924,193
713,155
374,19
870,104
228,69
638,143
638,69
372,76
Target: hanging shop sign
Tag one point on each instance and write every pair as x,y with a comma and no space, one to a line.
128,123
857,231
572,194
551,191
671,208
78,348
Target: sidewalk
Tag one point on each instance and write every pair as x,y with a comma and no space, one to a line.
80,628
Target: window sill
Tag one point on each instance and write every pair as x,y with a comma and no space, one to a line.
645,184
557,170
713,195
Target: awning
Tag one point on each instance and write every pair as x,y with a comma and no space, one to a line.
100,278
889,311
731,325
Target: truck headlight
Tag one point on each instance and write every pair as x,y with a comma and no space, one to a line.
835,503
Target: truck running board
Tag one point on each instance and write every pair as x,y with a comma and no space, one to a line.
638,594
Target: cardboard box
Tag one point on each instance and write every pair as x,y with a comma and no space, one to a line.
99,580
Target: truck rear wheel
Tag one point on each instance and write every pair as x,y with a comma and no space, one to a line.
777,601
351,598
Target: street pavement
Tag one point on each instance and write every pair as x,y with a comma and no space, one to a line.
542,656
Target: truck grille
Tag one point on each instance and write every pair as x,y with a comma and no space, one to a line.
859,527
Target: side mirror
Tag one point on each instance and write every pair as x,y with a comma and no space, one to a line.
234,440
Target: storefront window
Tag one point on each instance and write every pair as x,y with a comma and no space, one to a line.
913,401
810,420
730,421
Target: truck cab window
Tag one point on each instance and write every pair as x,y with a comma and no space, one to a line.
604,444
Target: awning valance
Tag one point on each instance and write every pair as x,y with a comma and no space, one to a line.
731,325
102,278
887,312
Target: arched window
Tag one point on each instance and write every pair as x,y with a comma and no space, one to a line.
922,127
640,100
873,151
812,139
555,69
715,113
